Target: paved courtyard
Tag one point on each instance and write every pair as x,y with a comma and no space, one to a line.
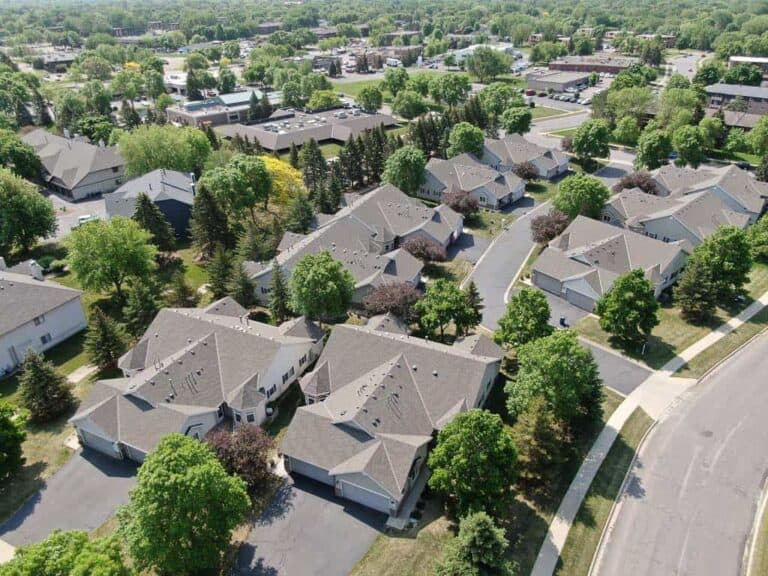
308,531
68,212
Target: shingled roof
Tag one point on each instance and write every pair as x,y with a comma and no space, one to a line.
515,149
465,173
159,185
387,393
69,161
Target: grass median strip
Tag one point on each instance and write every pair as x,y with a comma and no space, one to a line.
760,560
587,529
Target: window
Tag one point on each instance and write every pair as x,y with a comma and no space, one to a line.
115,169
264,290
45,338
234,116
250,418
303,360
666,239
272,390
39,319
238,418
606,218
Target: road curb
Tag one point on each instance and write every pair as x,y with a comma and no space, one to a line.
750,549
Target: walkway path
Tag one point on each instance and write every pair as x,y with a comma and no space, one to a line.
81,373
656,395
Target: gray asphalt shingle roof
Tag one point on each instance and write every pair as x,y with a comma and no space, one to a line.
159,185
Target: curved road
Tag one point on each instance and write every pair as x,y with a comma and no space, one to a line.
691,499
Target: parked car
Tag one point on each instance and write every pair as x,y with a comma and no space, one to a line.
542,93
530,92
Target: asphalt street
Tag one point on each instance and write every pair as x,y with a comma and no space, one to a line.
691,499
83,495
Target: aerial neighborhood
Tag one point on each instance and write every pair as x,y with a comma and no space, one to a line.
366,288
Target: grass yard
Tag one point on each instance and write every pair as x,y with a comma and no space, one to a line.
416,554
286,407
700,364
546,111
585,533
487,223
541,190
454,270
674,334
564,132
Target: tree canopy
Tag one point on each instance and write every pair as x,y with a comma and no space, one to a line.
581,194
25,214
629,310
321,287
526,319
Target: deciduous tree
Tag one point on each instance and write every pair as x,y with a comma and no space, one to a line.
465,137
424,249
405,169
25,214
629,310
321,287
516,120
653,148
443,302
525,319
581,194
548,226
395,298
245,452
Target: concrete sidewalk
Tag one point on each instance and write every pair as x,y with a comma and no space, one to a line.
6,552
659,391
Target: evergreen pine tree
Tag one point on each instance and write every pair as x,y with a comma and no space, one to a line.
219,272
130,116
240,287
474,306
322,202
106,340
278,294
212,138
266,106
149,217
44,392
313,165
335,191
293,156
141,306
181,294
300,214
254,109
209,224
539,438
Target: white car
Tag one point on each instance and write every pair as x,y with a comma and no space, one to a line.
84,219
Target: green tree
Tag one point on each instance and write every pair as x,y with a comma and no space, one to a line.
227,80
479,548
591,140
541,442
757,138
653,148
744,74
474,312
710,72
487,63
474,463
688,142
25,215
17,155
712,132
43,391
141,306
444,302
293,156
321,99
516,120
526,319
300,214
13,432
151,146
627,131
240,286
209,225
451,89
563,372
220,270
181,294
761,173
629,310
581,194
370,98
279,296
405,169
465,138
105,341
106,253
149,217
182,490
314,168
321,287
727,253
757,236
395,80
695,292
498,97
409,104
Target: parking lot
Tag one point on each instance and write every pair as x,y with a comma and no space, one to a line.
68,213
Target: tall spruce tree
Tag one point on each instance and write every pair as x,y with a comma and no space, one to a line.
209,223
265,106
219,272
254,108
105,341
181,294
44,392
149,217
141,306
313,165
279,297
300,214
293,156
240,287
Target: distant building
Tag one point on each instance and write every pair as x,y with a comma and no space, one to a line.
668,40
56,62
35,314
222,109
171,191
287,127
387,38
325,32
760,61
267,28
74,167
535,38
508,153
556,81
753,98
594,63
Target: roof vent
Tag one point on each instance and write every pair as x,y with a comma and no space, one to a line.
434,372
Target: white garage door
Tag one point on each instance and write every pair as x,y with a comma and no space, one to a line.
306,469
98,443
365,497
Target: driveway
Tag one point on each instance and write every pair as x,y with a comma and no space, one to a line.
83,495
67,212
691,499
468,246
613,172
308,531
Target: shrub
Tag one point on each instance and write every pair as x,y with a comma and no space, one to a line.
425,250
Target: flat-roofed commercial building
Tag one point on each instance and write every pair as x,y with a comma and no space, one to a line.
594,63
760,61
555,81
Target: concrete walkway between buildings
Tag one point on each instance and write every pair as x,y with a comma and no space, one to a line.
81,373
655,395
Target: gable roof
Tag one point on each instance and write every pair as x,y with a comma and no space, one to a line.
465,173
158,185
23,298
69,161
515,149
387,395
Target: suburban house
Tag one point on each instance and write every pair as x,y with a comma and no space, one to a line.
35,314
74,167
753,98
583,262
366,237
192,369
286,127
689,218
509,152
759,61
737,188
464,173
173,192
375,401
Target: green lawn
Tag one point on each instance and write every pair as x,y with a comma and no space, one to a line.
541,190
674,334
587,528
454,270
545,111
488,223
753,159
564,132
